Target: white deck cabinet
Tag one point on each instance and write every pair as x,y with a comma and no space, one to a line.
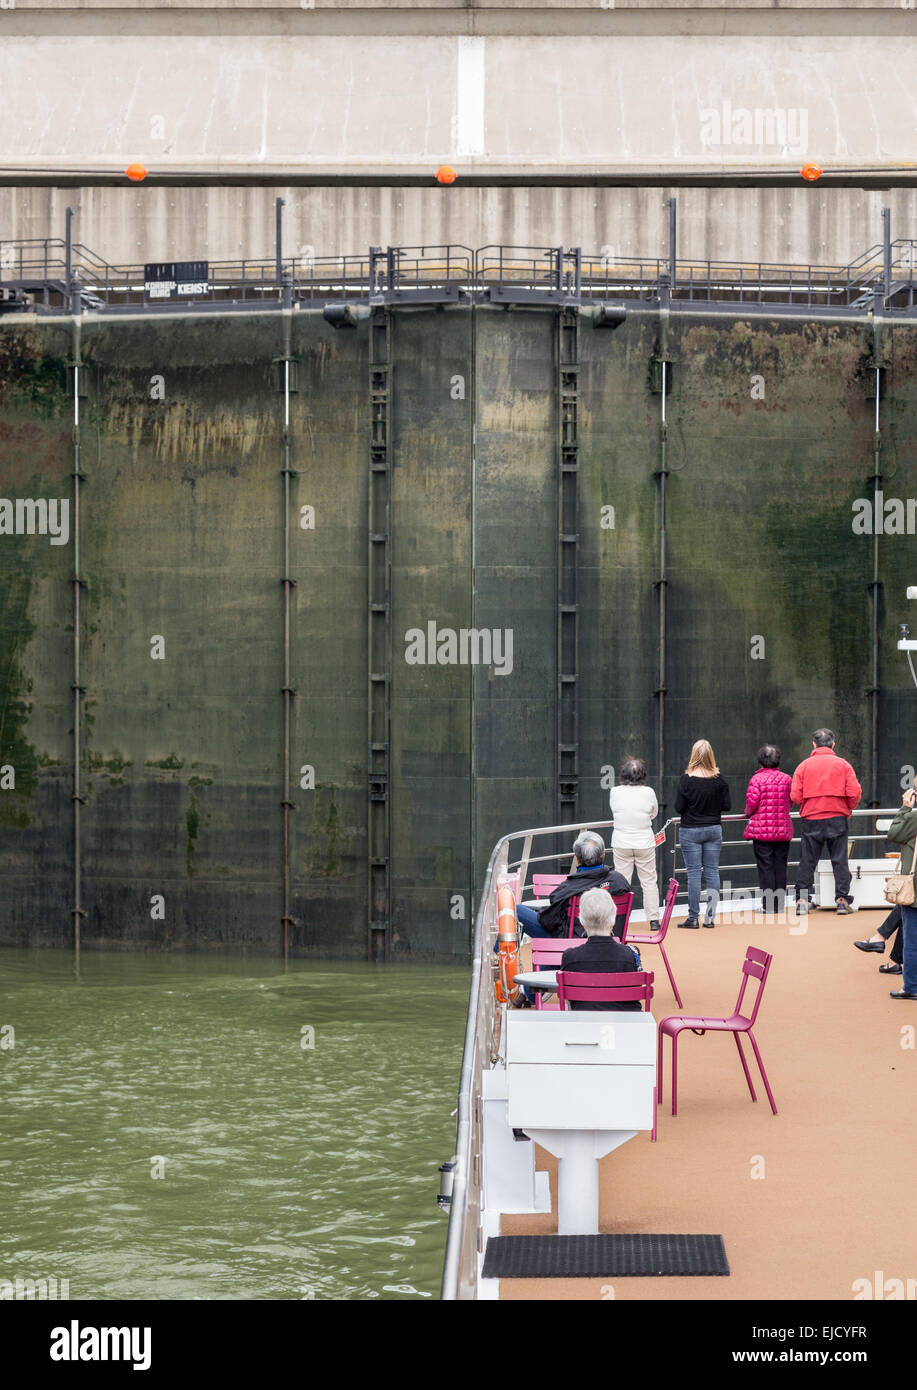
580,1084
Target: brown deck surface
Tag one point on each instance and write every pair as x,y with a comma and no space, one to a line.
835,1203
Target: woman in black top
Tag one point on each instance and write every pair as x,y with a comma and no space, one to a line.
702,797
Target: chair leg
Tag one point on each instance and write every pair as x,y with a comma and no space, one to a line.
745,1066
762,1071
659,1063
674,1073
671,977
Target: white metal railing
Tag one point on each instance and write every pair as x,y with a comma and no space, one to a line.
462,1241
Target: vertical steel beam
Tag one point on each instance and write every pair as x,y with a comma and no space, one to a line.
78,799
379,640
887,252
662,366
567,733
68,259
875,586
285,367
278,239
672,204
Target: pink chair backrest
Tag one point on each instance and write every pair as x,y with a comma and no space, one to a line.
622,901
547,951
544,884
669,908
604,988
510,881
756,965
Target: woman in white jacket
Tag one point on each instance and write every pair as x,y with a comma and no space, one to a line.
634,807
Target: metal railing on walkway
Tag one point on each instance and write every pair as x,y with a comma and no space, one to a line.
55,274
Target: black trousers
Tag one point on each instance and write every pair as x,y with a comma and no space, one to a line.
771,857
829,834
891,924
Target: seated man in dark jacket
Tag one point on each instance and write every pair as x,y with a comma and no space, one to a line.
603,953
589,871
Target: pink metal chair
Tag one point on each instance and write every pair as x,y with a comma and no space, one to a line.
543,885
547,952
756,966
623,902
602,988
657,938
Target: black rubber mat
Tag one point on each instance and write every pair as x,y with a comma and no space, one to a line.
593,1257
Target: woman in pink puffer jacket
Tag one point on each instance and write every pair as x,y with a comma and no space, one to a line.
767,804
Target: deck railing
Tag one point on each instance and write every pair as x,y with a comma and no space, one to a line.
513,855
48,267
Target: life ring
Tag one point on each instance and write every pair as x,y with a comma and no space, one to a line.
508,991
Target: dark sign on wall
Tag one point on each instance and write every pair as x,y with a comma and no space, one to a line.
175,279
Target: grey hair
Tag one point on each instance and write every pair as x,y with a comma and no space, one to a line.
596,911
589,848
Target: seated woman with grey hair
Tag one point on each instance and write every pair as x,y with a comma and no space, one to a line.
603,953
589,871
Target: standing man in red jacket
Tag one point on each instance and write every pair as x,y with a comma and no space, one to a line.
826,790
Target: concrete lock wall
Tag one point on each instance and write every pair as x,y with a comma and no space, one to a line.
769,633
568,124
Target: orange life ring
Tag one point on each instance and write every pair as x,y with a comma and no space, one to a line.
507,941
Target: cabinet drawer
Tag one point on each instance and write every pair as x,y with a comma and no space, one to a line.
586,1039
576,1097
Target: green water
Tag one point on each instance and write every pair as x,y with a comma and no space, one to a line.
288,1172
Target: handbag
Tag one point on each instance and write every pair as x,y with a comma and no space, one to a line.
899,888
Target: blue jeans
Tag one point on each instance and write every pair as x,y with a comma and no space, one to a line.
527,918
700,845
909,961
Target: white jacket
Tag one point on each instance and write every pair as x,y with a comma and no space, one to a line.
633,809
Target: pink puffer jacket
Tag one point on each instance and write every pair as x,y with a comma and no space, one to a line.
767,802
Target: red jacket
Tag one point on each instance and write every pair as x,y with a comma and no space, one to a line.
767,802
824,785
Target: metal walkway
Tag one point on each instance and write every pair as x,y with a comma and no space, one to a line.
59,276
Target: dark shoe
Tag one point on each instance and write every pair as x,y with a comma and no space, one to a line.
709,921
901,994
891,969
843,906
690,922
871,946
802,909
654,924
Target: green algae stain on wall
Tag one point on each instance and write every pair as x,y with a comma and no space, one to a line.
112,768
16,751
173,763
192,828
326,833
37,378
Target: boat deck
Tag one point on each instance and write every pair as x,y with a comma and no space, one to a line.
832,1204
